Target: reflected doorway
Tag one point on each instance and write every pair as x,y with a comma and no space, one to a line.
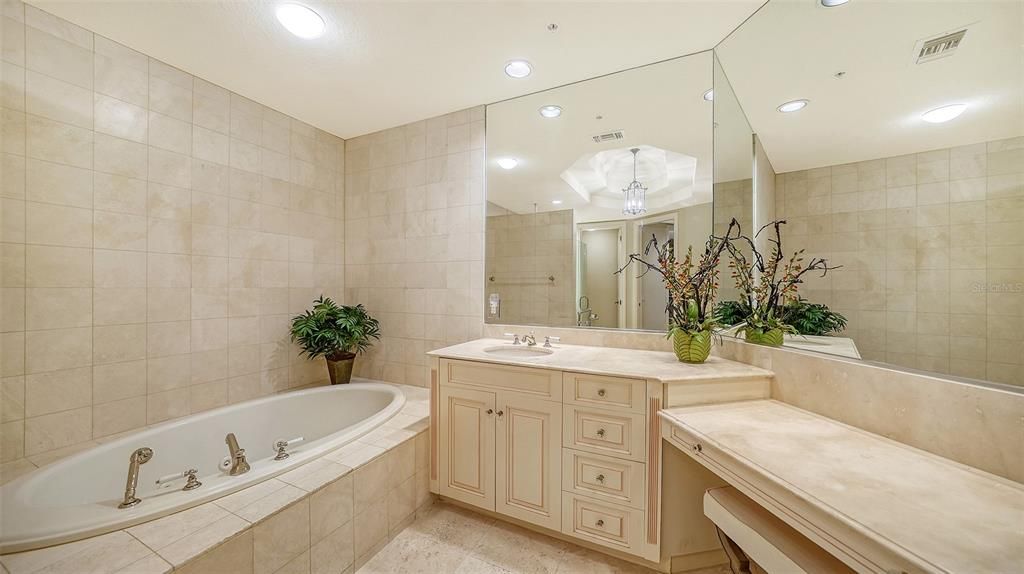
599,296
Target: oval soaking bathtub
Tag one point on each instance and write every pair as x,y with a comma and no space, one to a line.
78,496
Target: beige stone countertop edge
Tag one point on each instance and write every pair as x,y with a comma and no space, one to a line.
659,366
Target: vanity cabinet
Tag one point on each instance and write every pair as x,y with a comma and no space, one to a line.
501,450
561,450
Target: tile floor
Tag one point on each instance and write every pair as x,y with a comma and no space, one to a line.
448,539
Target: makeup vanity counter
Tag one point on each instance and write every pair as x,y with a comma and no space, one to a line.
567,439
876,504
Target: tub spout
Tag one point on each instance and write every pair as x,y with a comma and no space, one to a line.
238,463
139,457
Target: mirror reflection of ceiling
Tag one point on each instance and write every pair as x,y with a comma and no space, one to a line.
791,50
659,108
600,176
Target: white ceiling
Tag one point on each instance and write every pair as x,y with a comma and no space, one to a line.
383,64
791,49
660,105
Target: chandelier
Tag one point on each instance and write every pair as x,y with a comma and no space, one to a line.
635,191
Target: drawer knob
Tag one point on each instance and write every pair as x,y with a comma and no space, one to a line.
600,433
600,392
599,478
698,448
490,411
500,413
600,523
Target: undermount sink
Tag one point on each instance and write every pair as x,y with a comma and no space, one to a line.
519,352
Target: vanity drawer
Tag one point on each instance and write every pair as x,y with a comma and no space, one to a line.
537,382
603,477
605,392
613,433
606,524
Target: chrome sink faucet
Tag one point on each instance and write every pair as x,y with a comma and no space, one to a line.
237,455
530,340
140,457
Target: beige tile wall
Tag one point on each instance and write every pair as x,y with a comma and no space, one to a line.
733,199
158,233
523,251
414,238
932,249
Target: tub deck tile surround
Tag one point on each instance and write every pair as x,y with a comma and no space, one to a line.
327,516
877,504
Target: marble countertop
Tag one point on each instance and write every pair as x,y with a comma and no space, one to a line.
658,366
868,494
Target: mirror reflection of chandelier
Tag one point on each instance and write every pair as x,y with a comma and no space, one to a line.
635,192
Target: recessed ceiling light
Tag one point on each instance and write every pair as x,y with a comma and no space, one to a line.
793,106
556,202
943,114
551,111
833,3
709,95
508,162
300,20
518,68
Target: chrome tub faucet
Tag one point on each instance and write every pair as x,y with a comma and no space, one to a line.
140,457
237,455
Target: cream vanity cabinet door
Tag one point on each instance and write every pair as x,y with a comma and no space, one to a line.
528,467
467,446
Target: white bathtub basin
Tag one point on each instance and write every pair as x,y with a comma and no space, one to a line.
77,497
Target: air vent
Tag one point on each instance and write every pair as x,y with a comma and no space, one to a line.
940,47
611,136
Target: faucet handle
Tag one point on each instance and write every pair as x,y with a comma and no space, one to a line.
191,481
280,445
515,338
548,340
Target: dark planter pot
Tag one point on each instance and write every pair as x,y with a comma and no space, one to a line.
340,369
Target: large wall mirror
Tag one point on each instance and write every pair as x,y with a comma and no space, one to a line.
895,130
579,177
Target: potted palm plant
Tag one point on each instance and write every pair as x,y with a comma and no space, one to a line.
691,289
335,332
768,284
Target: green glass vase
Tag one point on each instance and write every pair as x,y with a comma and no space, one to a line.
691,347
770,338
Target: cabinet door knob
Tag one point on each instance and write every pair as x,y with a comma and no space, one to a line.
500,413
600,392
490,411
600,523
599,478
600,432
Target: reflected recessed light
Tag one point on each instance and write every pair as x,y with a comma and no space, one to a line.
556,202
518,68
551,111
709,95
943,114
793,106
508,162
300,20
833,3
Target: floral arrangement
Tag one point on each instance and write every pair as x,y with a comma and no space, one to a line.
768,284
691,285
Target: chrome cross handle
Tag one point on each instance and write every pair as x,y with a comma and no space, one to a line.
515,338
548,340
280,445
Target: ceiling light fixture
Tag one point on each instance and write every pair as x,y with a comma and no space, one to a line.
710,95
556,202
551,111
518,69
833,3
301,20
793,106
944,113
635,192
508,162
